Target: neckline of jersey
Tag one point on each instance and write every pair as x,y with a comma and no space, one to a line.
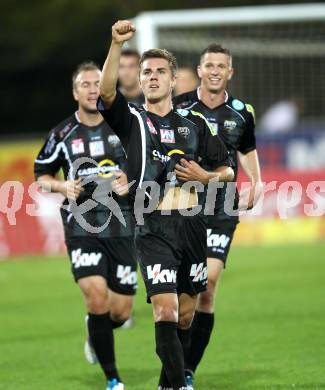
83,124
209,108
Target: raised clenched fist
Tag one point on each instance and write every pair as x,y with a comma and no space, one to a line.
122,31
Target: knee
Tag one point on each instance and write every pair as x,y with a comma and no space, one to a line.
166,313
121,308
96,300
185,319
206,298
120,316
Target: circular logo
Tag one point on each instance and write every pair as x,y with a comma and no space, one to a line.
107,167
237,104
175,151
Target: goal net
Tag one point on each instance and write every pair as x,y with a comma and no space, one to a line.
278,51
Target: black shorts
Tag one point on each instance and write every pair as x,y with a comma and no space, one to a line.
219,237
113,258
171,250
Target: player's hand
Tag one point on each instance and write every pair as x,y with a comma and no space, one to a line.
71,189
248,197
120,183
191,171
122,31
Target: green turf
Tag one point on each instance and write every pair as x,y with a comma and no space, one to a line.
270,327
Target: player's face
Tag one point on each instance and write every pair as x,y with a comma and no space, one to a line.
156,79
128,71
215,71
86,90
186,81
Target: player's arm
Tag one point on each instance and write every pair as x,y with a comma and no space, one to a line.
47,164
248,159
212,151
122,31
120,183
192,171
251,167
70,189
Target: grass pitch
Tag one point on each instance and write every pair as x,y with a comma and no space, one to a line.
269,334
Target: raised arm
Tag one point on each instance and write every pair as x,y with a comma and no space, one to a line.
122,31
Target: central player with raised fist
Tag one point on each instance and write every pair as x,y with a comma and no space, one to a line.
163,147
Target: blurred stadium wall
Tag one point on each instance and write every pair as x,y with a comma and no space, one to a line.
279,56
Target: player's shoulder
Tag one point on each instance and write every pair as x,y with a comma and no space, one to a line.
62,129
243,108
196,118
186,99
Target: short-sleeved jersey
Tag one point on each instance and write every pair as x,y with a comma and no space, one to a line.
66,146
154,144
234,122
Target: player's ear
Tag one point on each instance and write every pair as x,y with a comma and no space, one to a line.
173,81
231,73
75,94
199,73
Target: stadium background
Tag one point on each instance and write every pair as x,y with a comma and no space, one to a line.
42,42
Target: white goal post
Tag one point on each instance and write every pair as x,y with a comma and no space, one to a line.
278,50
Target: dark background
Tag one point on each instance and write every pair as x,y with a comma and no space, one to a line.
43,41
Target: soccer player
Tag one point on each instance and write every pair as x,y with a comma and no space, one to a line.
128,82
171,243
186,80
103,260
128,79
233,120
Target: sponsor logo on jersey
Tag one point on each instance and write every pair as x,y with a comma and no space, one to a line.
96,148
217,240
199,272
183,131
214,127
161,276
183,112
175,151
229,125
78,146
65,129
126,275
151,127
50,144
250,109
105,168
157,156
237,104
84,259
113,140
167,136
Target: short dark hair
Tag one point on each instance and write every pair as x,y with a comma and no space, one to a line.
83,67
161,53
216,48
131,53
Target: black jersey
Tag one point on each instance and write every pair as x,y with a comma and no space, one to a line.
155,144
67,144
234,122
